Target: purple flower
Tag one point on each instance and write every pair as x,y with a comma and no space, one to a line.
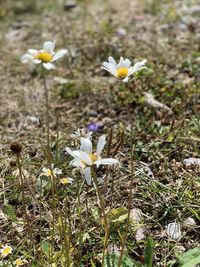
95,127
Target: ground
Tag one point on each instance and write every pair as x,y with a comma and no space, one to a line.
162,134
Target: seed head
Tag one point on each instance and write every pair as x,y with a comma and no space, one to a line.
16,147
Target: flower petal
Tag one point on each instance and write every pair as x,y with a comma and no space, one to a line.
48,66
26,58
86,158
49,46
124,63
37,61
110,68
125,80
57,171
78,163
74,153
86,145
112,61
32,51
107,161
87,175
138,66
100,145
59,54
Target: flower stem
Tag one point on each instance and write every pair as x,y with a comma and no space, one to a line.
46,91
102,207
23,195
124,240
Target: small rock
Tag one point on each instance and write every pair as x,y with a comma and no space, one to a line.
61,80
113,248
69,5
121,32
151,101
140,234
194,10
33,120
189,222
136,215
173,230
191,161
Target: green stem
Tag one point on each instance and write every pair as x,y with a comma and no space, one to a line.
80,225
23,194
129,204
102,207
46,91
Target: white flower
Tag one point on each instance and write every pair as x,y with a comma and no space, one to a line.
51,172
5,251
85,158
81,133
123,69
45,56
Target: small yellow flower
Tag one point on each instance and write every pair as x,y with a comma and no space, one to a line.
20,262
51,172
66,180
6,250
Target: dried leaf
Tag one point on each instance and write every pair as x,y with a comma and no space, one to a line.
151,101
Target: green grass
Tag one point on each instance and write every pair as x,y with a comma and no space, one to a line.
50,224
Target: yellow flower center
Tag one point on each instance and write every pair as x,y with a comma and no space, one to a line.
6,251
64,181
19,262
122,73
93,157
44,56
48,172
